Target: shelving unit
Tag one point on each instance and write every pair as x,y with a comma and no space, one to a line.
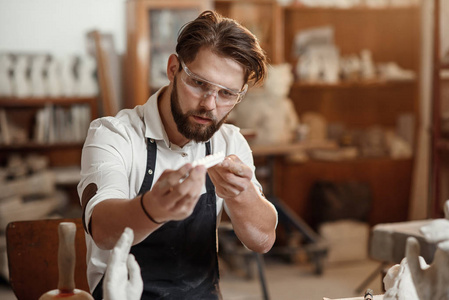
141,48
22,112
391,34
263,18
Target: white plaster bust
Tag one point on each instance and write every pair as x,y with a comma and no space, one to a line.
20,82
431,282
53,80
68,78
413,278
268,110
38,69
5,78
398,282
87,83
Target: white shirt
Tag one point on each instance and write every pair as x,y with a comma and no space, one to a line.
114,157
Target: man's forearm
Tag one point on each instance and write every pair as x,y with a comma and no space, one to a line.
110,217
254,220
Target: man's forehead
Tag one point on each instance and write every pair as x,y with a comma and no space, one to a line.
218,69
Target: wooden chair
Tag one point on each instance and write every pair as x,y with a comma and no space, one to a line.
32,248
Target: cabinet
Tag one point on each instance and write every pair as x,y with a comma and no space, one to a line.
263,18
391,34
72,115
152,27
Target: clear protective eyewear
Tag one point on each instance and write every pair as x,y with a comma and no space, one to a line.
203,88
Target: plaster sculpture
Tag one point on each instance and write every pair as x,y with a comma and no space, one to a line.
53,79
432,282
372,142
317,126
436,231
392,71
414,278
367,65
399,3
38,71
87,83
5,78
347,3
398,282
68,78
122,279
376,3
398,147
350,67
320,63
331,65
268,110
284,2
66,267
20,83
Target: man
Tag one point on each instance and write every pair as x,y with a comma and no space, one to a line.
137,171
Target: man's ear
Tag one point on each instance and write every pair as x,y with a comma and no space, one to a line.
172,67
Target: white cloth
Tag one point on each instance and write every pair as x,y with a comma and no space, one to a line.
114,157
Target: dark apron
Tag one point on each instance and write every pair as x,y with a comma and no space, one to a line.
179,260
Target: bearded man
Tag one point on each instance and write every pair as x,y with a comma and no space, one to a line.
137,168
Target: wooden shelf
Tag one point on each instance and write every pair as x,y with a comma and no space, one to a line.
246,1
355,9
37,146
39,102
21,114
354,84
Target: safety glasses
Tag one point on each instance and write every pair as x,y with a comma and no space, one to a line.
201,87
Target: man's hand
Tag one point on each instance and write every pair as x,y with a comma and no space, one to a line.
117,284
176,193
253,217
231,177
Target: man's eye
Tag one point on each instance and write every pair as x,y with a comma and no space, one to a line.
198,82
227,94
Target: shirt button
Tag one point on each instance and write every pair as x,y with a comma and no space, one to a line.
183,154
150,171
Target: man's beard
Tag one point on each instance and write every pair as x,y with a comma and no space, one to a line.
190,130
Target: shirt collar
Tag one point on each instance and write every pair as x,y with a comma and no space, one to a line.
154,129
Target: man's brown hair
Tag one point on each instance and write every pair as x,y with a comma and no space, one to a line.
224,37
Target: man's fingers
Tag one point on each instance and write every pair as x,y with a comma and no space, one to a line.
171,179
235,166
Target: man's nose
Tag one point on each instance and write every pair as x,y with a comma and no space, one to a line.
208,101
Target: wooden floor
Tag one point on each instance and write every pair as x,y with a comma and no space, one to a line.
290,282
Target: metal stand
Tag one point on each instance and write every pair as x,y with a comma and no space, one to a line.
315,247
230,246
263,280
370,278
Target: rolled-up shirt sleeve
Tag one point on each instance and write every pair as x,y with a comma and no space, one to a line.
104,165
